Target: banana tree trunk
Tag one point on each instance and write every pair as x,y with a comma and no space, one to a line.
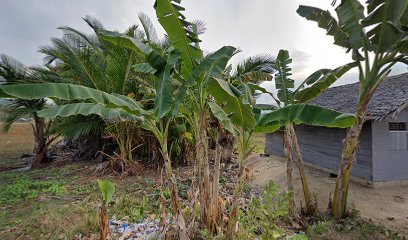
41,147
227,143
310,205
245,147
214,214
348,158
104,221
175,202
235,203
289,169
203,167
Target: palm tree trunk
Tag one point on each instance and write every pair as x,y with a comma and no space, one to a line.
40,138
348,158
289,169
310,206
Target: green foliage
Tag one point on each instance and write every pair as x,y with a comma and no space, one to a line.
223,180
107,190
14,72
66,91
219,113
377,40
182,34
300,236
87,109
23,189
350,228
259,220
304,114
254,69
283,82
246,188
318,82
292,102
233,104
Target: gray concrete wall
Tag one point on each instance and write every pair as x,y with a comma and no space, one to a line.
390,159
274,143
323,146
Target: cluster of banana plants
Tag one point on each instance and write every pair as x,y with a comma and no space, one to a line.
190,87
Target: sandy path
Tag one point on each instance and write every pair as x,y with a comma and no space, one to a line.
387,205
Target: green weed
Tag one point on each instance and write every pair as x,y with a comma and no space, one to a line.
25,189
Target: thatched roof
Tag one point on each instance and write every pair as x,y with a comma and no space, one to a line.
390,97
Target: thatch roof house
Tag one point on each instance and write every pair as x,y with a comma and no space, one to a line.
383,150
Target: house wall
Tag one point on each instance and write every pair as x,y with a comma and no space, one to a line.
323,147
389,161
274,143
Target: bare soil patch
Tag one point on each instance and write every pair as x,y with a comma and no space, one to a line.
387,206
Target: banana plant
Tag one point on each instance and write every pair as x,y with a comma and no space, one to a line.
293,109
236,114
377,39
107,190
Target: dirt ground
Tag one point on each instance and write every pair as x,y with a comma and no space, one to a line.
386,205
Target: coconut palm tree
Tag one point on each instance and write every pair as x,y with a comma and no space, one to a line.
14,72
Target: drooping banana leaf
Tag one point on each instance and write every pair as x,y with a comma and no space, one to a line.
326,21
265,107
66,91
247,92
318,82
386,17
232,102
164,98
4,95
350,13
87,109
222,117
124,40
180,32
304,114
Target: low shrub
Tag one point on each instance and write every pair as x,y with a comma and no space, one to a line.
259,220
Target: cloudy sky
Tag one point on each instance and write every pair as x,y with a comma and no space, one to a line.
255,26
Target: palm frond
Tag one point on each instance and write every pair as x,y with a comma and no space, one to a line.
11,70
74,127
93,22
255,69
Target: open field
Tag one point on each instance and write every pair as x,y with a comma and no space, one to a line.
17,141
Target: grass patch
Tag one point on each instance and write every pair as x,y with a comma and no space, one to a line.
24,189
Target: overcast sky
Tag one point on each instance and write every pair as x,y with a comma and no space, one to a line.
255,26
